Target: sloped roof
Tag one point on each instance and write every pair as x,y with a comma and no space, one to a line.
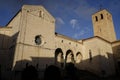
60,35
101,10
37,7
96,37
66,37
31,7
115,41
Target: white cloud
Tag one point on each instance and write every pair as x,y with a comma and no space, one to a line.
81,33
59,20
77,35
74,23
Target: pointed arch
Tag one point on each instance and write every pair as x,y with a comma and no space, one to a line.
79,57
59,57
69,58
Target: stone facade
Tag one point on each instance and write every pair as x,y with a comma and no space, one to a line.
103,25
30,38
116,50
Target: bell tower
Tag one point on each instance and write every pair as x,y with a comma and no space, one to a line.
103,25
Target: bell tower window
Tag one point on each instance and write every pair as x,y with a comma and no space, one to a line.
41,14
101,16
96,18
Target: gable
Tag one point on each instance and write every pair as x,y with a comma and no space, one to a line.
96,37
97,41
39,11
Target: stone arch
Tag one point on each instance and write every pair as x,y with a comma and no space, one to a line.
78,57
59,57
69,57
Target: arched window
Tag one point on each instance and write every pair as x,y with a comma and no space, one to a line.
96,18
101,16
62,41
90,55
41,14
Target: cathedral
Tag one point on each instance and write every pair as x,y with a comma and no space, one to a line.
30,39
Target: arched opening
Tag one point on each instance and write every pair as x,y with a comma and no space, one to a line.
101,16
59,57
69,58
90,55
78,57
96,18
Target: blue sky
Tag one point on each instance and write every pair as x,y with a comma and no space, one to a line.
73,17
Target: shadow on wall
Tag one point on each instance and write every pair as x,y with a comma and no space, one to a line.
7,50
100,65
116,50
3,50
72,71
31,69
96,64
52,72
39,62
29,73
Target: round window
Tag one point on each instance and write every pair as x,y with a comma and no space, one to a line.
38,40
